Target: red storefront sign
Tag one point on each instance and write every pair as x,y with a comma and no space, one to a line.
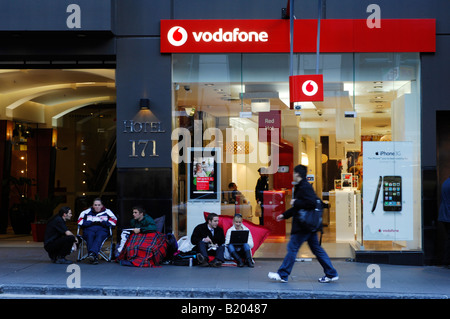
306,88
272,36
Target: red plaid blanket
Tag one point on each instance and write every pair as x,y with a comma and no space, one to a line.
144,250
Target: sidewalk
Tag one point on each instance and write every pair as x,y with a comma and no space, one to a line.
27,271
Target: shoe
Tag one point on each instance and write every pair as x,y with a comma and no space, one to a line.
237,259
216,263
325,279
63,261
250,263
202,261
92,258
275,276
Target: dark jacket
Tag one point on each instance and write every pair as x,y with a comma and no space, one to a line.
305,198
56,228
261,185
444,208
202,231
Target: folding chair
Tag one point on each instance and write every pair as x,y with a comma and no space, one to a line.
106,250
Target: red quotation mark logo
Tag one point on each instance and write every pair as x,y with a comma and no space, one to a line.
310,88
177,36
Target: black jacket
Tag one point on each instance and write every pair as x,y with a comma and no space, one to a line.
202,230
305,198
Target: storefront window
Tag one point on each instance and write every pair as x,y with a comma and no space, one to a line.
367,127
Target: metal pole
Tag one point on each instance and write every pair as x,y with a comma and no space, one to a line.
291,18
318,37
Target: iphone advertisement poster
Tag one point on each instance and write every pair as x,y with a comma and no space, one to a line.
388,190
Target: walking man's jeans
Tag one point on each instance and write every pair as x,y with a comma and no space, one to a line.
294,245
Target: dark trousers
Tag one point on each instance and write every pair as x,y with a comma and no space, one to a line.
446,256
292,249
202,248
94,237
60,248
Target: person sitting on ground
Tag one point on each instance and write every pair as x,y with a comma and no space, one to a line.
142,245
141,223
236,249
96,222
208,239
59,241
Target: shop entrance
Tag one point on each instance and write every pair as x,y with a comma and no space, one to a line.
225,94
58,133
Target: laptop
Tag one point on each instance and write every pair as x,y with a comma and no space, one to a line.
239,237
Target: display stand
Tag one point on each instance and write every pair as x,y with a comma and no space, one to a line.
346,212
204,194
274,205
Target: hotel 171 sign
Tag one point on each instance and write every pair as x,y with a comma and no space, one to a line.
142,147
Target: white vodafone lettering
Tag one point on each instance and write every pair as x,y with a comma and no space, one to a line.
231,36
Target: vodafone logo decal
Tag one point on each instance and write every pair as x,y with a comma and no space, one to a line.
177,36
231,36
306,88
310,88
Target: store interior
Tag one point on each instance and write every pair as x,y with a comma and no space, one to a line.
318,135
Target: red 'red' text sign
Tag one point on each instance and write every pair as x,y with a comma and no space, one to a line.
272,36
306,88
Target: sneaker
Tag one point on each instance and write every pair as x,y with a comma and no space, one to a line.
325,279
275,276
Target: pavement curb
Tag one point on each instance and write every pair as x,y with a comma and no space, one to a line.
199,293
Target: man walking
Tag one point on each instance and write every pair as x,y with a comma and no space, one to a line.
304,197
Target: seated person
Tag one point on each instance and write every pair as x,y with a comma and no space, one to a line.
95,222
59,241
140,224
208,239
235,249
142,245
234,194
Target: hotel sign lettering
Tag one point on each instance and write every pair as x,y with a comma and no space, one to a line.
142,147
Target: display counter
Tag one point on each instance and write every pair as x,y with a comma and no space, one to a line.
345,213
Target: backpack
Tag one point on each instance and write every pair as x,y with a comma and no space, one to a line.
311,220
181,258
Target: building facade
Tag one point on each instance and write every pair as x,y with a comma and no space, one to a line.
110,98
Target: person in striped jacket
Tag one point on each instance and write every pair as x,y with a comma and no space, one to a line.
95,222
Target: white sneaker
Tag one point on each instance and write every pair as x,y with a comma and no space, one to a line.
275,276
325,279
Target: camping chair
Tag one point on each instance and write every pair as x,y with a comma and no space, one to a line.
106,250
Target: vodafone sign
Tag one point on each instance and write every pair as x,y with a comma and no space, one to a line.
222,35
272,36
306,88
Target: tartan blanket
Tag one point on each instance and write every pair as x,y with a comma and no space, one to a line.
144,250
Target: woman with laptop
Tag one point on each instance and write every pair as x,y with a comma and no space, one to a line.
239,241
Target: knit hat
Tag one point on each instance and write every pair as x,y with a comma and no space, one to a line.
301,170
